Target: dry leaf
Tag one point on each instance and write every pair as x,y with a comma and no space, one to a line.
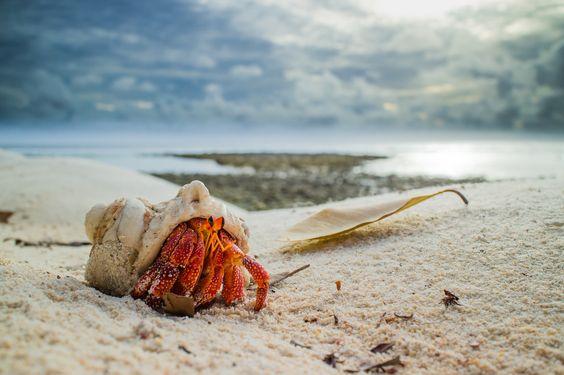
331,222
382,348
179,305
450,299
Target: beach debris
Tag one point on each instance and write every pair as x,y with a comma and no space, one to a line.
295,343
381,367
335,221
450,299
46,243
382,348
277,278
191,246
332,360
310,319
338,285
184,349
4,216
381,320
475,345
406,317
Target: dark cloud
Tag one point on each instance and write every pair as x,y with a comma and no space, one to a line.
323,63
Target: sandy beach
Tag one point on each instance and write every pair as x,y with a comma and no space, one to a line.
502,255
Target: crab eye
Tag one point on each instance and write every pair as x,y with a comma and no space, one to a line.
210,221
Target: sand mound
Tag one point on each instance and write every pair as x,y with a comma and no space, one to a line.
53,194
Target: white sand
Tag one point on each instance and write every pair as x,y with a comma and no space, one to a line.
502,255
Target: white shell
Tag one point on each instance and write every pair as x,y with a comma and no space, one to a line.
128,234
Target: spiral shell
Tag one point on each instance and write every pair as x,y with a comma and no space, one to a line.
128,234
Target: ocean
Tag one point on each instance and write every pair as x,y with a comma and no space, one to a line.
492,155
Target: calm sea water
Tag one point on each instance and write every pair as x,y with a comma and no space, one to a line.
490,155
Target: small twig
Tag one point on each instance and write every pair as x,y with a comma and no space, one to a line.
288,274
25,243
382,348
381,320
183,348
380,366
295,343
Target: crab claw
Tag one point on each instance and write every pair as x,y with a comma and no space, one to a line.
262,279
236,257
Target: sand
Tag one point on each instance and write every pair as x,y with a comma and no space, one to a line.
502,255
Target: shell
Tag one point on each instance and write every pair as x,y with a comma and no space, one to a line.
128,234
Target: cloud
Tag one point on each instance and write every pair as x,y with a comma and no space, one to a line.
124,83
246,71
105,107
87,79
324,63
144,104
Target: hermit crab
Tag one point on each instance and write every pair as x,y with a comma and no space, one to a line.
191,245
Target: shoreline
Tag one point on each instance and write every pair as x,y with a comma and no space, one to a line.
287,180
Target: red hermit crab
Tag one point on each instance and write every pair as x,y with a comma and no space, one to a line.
191,245
198,257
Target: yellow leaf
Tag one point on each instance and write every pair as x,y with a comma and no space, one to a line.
335,221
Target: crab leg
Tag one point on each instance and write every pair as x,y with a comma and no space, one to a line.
233,284
144,283
262,279
211,284
170,270
190,275
257,271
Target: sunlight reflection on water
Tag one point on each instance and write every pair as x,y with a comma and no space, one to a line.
493,161
454,155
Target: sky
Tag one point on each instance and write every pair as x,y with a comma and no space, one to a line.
320,64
